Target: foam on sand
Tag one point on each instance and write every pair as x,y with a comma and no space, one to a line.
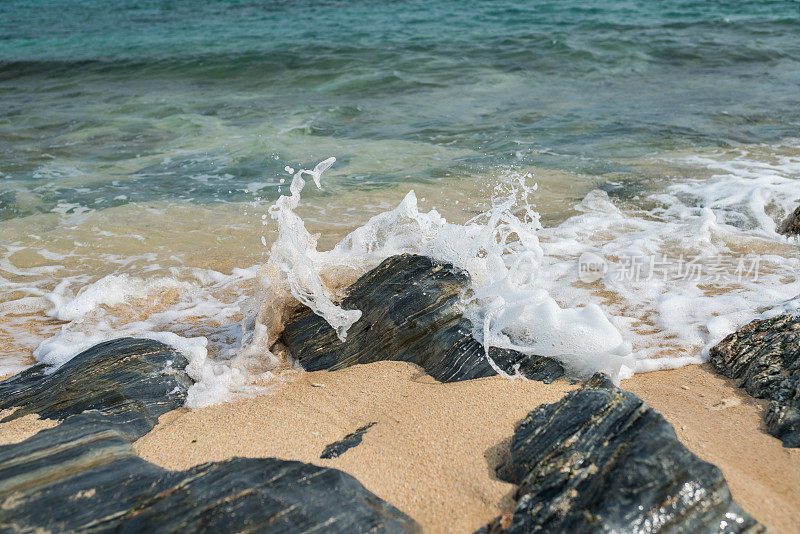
527,291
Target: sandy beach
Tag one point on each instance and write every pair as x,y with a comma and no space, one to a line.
435,446
22,428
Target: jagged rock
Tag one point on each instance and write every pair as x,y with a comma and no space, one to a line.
83,475
353,439
764,356
139,379
791,226
601,460
410,312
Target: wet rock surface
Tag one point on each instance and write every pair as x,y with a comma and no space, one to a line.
84,475
139,379
410,312
337,448
791,226
764,356
601,460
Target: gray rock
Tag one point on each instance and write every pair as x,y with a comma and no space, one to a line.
791,226
601,460
764,356
139,379
353,439
410,312
83,474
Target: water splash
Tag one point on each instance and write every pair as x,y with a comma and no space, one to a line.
499,248
526,291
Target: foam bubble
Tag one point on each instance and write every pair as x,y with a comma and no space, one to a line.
110,290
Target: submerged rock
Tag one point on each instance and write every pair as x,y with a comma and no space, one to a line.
764,356
83,475
601,460
410,312
791,226
353,439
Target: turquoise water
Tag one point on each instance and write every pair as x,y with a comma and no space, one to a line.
104,103
142,142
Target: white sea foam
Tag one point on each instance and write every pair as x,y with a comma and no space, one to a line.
196,311
527,293
724,225
500,250
110,290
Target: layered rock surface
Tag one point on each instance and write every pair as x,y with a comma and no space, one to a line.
764,356
791,226
84,475
136,379
601,460
410,312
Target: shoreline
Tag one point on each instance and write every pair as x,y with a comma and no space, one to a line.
269,266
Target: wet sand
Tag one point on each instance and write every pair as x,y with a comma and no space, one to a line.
434,448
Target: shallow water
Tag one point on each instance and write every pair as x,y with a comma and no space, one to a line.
141,145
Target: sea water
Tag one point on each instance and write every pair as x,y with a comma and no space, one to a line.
152,176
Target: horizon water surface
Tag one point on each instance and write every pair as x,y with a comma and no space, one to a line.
144,145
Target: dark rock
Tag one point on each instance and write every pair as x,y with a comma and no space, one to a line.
764,356
337,448
410,312
599,380
791,226
83,474
601,460
139,379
